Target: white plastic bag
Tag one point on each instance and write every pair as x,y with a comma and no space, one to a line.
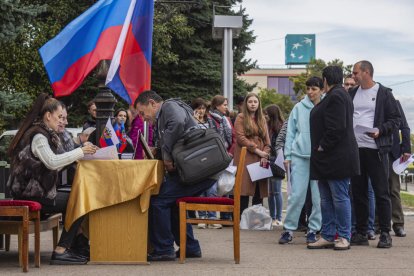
226,181
256,217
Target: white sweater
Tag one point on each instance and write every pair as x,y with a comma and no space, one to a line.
41,149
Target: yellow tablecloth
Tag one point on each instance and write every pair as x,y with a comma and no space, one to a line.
103,183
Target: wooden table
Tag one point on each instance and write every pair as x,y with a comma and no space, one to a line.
116,195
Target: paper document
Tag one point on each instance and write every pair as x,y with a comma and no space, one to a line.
364,129
257,172
107,153
279,159
231,169
400,167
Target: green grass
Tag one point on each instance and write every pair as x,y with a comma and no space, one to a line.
407,199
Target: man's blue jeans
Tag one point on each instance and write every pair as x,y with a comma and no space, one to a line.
164,226
336,208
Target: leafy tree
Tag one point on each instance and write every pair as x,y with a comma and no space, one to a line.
197,70
14,16
270,96
314,68
186,60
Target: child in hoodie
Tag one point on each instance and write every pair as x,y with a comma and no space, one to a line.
297,156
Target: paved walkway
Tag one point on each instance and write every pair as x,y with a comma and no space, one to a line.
260,255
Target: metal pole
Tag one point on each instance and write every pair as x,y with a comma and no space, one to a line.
227,61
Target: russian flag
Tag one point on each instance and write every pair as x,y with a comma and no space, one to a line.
90,38
108,137
130,70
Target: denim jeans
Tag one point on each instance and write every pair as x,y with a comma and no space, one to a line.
275,198
212,192
336,208
163,219
371,218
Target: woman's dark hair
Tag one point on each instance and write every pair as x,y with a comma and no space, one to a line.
44,103
126,123
315,81
275,118
217,100
198,102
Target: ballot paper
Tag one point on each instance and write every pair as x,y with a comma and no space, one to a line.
107,153
257,172
364,129
400,167
279,159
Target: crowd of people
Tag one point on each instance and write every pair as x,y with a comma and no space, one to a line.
342,176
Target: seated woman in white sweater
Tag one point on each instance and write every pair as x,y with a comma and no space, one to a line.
37,155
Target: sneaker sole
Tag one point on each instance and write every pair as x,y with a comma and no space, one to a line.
384,246
342,248
328,246
58,262
284,242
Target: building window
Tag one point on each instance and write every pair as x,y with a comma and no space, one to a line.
282,85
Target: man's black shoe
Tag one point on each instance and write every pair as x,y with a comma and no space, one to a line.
67,258
399,231
83,251
160,258
385,240
359,239
189,255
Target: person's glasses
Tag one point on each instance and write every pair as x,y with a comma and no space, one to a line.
348,84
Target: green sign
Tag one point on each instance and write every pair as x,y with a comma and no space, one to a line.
299,48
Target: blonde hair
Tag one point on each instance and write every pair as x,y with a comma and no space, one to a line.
257,128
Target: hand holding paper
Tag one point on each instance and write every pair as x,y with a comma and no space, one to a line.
399,166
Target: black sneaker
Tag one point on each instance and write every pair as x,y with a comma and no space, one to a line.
67,258
188,254
160,258
359,239
286,237
385,240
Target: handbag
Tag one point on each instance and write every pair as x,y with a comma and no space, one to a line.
199,155
276,170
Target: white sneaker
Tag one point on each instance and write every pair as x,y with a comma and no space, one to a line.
276,223
201,226
215,226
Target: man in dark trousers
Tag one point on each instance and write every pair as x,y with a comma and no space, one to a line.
171,119
401,149
376,117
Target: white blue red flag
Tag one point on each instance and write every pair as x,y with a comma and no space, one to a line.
108,137
96,35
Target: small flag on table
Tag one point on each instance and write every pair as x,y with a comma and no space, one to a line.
108,137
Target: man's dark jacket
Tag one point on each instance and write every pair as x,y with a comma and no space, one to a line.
331,127
405,146
386,119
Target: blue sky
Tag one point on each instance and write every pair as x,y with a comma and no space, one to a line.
380,31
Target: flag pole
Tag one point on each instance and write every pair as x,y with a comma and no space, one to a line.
104,100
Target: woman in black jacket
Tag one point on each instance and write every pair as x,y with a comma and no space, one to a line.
334,159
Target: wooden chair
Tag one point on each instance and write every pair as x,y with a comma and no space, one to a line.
216,204
26,211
